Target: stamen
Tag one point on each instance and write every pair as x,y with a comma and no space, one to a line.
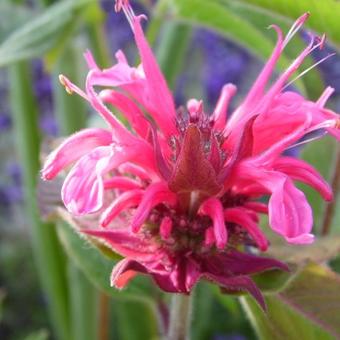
308,140
296,26
127,9
64,82
309,68
70,87
120,3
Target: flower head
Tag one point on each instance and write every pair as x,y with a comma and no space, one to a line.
179,193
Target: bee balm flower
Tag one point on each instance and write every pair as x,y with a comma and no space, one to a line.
179,193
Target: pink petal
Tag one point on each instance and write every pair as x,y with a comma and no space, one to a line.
290,215
213,208
83,189
124,201
209,237
302,171
155,194
122,183
124,243
257,207
160,96
238,283
131,111
165,228
135,170
73,148
246,109
220,112
241,217
122,273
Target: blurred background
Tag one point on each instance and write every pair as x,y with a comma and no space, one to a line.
44,294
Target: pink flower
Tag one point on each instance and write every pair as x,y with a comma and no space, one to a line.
180,191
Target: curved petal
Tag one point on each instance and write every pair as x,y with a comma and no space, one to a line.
73,148
155,194
241,217
303,172
123,242
160,95
122,183
213,208
290,215
83,189
124,201
131,111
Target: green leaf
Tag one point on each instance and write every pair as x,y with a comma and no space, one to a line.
226,21
41,33
40,335
137,298
308,308
324,14
98,268
12,16
2,297
322,250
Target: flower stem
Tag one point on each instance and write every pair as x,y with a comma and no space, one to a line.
48,254
104,311
180,317
330,208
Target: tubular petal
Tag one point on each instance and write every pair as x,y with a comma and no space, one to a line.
290,215
121,183
124,201
83,189
213,208
220,112
123,243
155,194
131,111
242,218
303,172
165,113
166,227
73,148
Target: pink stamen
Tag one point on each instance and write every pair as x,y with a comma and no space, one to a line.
166,228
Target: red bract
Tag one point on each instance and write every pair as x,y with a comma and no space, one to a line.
187,186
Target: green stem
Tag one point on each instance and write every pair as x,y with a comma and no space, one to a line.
180,317
83,305
103,317
48,255
71,116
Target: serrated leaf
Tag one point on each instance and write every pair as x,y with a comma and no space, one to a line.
308,308
41,33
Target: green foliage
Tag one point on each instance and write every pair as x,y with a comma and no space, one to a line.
42,33
48,254
39,335
98,268
137,299
306,309
324,14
